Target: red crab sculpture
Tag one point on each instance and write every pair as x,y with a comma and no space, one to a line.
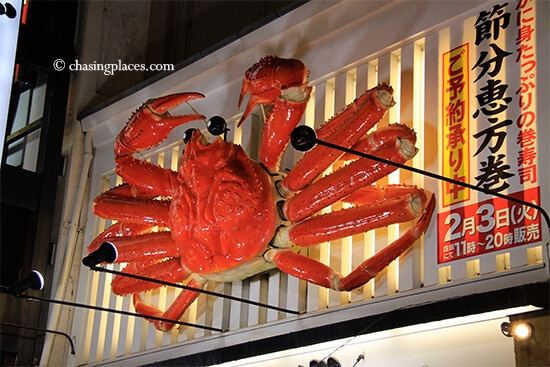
223,217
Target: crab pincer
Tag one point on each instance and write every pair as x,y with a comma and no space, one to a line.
152,123
282,85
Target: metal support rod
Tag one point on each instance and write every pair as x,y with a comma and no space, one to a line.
432,175
44,330
103,309
181,286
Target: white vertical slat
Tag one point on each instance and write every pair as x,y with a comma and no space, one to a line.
254,294
382,281
167,297
226,311
277,294
518,257
315,293
429,160
148,332
125,334
137,331
264,292
502,261
359,242
311,293
472,268
190,315
294,298
347,243
368,79
458,271
336,248
85,339
217,307
111,318
418,124
213,307
394,115
328,297
235,319
144,331
534,255
101,325
199,317
444,274
407,71
488,264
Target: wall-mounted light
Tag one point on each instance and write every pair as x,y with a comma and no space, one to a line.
34,281
519,330
107,252
328,362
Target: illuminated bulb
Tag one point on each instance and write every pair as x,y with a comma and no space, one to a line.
521,331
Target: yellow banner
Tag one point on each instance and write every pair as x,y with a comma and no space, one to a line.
456,159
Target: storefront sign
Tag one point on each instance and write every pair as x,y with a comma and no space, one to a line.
489,134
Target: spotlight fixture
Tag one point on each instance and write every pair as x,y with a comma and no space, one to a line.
330,362
217,125
519,330
107,252
34,281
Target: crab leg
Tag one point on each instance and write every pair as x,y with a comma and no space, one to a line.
147,246
358,174
176,309
380,137
318,273
135,210
118,230
348,222
281,84
283,118
375,264
363,113
169,270
147,177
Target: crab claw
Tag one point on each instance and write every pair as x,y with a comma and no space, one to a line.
282,85
266,80
152,123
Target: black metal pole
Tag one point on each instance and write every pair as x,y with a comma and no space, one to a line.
304,138
199,290
44,330
103,309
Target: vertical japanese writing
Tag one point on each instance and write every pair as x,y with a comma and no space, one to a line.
493,99
456,160
526,58
499,129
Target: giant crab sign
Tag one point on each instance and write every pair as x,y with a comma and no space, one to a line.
223,217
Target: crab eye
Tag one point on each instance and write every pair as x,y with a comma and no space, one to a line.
216,125
188,134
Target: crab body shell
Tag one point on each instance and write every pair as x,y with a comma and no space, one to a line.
223,213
